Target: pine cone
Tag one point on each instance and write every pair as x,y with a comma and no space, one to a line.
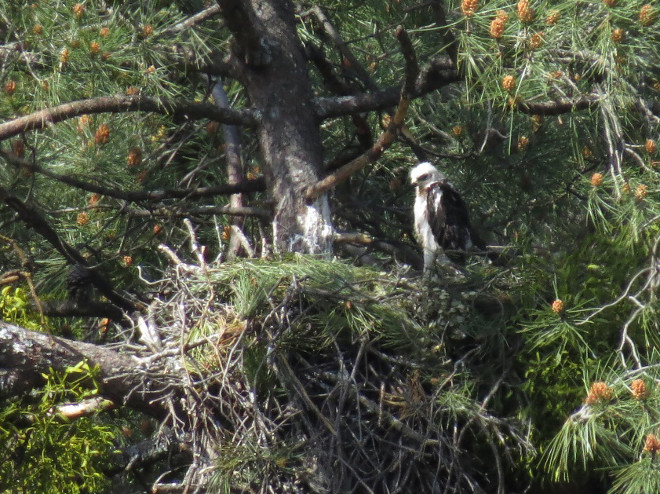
79,284
469,7
525,12
498,25
646,15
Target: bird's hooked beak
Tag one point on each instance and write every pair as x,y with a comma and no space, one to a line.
417,181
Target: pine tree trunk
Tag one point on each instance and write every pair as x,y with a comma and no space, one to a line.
273,69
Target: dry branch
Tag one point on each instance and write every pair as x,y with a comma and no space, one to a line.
198,18
83,408
256,185
118,104
235,166
557,107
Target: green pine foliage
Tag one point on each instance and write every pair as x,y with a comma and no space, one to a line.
290,329
573,197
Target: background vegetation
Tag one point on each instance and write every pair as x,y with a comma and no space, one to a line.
272,368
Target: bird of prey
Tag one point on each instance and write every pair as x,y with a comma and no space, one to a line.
442,223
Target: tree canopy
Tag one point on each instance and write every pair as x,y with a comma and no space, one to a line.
209,276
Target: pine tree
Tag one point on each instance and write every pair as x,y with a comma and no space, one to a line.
272,128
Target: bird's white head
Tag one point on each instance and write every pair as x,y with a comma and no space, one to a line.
424,174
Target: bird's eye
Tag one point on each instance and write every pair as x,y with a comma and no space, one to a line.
423,177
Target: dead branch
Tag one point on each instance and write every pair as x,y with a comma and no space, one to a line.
208,13
83,408
558,107
235,167
256,185
26,355
117,104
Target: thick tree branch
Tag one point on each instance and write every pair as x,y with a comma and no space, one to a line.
387,138
332,107
68,308
107,104
439,72
436,74
25,355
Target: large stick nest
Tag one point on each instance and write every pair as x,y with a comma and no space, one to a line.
304,374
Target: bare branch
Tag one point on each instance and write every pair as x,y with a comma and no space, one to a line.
256,185
557,107
83,408
387,138
235,167
198,18
107,104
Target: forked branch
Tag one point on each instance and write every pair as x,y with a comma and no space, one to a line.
386,138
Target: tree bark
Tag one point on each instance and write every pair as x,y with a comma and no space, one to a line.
235,169
272,67
126,380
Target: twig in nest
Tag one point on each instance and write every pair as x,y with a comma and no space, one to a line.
289,376
194,245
